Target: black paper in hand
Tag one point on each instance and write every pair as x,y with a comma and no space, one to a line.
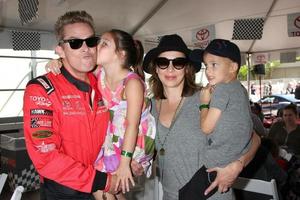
195,188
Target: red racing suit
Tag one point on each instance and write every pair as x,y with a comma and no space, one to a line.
65,123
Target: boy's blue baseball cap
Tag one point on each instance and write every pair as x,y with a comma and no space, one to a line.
218,47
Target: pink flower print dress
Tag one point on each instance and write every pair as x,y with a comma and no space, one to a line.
109,157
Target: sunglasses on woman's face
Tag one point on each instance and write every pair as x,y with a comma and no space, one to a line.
178,63
77,43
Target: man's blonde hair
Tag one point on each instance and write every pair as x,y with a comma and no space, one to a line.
71,18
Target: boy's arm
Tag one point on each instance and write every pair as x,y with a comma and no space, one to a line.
209,118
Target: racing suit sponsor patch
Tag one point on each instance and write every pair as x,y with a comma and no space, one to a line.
36,122
78,105
67,105
41,112
40,101
41,134
45,148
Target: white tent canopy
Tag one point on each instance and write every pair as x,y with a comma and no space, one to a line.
183,19
150,19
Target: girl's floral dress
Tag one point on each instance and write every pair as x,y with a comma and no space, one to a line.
109,156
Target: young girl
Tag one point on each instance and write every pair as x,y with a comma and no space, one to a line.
132,128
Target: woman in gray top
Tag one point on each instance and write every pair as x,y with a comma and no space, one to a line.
179,141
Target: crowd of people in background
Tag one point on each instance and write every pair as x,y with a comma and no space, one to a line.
282,141
269,87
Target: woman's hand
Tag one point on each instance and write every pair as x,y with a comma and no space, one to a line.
54,66
225,176
124,176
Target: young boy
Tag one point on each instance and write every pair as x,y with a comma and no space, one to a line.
225,112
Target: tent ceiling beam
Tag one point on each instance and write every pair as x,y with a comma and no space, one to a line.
149,16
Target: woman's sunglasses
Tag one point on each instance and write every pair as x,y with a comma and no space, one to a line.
77,43
163,63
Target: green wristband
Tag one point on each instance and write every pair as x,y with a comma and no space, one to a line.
202,106
126,154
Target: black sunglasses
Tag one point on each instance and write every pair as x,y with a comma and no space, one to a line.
77,43
163,63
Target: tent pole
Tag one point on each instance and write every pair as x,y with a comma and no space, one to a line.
265,19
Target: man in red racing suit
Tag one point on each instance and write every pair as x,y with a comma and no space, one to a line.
64,133
65,121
